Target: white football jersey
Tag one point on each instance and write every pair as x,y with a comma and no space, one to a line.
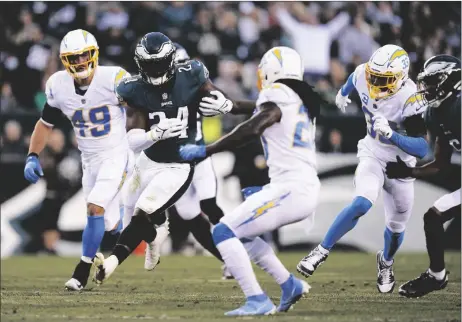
97,118
289,145
396,108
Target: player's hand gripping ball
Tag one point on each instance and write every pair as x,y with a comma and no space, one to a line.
215,104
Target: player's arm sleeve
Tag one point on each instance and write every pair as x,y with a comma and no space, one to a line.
348,86
351,81
51,114
138,140
414,143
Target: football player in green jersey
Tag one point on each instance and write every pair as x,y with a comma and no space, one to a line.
440,86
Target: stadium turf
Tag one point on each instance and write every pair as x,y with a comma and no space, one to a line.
190,289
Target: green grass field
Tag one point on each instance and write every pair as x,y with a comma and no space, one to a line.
190,288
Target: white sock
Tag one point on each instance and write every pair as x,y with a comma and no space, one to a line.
128,213
263,255
323,250
438,275
162,234
238,263
388,263
86,259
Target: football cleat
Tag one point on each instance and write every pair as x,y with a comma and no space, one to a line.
152,253
255,305
226,274
385,275
105,270
422,285
79,277
97,261
73,285
310,263
292,291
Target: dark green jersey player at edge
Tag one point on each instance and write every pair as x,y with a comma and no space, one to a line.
162,92
439,84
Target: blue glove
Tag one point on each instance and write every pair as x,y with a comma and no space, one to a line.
191,152
33,171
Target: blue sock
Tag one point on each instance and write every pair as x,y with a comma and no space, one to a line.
392,243
289,284
345,221
92,235
258,298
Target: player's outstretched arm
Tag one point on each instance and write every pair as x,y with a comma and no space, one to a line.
414,143
268,115
442,159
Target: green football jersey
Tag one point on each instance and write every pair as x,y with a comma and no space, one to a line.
178,99
444,121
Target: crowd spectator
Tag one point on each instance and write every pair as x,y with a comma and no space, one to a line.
230,38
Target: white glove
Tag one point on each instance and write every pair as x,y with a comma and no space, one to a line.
342,101
166,129
381,126
214,106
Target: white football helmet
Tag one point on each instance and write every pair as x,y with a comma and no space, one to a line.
79,53
278,63
386,71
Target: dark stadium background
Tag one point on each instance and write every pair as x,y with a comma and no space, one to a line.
230,38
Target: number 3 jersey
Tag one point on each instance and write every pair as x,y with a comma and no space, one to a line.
97,117
403,110
289,145
179,98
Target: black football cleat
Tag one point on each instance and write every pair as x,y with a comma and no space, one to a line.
422,285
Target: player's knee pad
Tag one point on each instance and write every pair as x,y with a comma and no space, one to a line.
221,232
211,209
361,205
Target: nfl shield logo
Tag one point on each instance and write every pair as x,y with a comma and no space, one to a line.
84,101
164,96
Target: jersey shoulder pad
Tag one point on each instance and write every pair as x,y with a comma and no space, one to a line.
414,104
52,88
195,70
126,89
277,93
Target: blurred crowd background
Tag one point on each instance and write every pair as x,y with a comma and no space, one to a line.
230,38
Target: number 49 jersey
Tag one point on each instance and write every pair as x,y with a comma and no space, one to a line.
97,118
289,145
397,109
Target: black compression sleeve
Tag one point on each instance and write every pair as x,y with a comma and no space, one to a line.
51,115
